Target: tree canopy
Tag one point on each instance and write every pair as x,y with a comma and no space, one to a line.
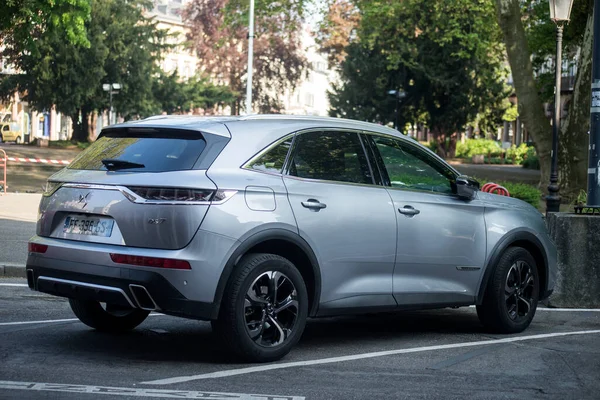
446,56
219,32
23,22
125,48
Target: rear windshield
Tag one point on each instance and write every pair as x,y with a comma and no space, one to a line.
143,150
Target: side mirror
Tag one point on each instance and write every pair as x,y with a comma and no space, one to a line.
466,187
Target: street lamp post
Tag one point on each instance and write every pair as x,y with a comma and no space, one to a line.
111,88
559,14
250,56
593,193
398,95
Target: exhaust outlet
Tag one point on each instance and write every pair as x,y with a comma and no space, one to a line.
143,298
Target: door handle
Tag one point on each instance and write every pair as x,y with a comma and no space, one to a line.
313,204
409,210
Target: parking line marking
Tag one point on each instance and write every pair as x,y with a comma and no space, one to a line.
48,321
138,392
14,284
270,367
569,309
563,309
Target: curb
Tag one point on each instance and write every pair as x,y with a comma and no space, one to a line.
12,271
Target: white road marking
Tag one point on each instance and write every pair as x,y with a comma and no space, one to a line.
138,392
38,322
14,284
569,309
49,321
269,367
563,309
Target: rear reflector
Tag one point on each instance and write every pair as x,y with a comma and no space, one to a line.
150,261
37,248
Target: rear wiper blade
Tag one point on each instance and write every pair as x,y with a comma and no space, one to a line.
114,164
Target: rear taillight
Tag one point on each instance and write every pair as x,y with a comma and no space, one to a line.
172,194
177,195
37,248
155,262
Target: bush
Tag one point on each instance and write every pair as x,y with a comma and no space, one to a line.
531,159
523,191
518,154
473,147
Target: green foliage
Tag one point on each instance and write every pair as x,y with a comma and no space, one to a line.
24,22
176,96
511,113
446,55
541,38
472,147
125,48
531,160
523,191
517,154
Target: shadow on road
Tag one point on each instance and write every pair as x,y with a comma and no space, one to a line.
194,342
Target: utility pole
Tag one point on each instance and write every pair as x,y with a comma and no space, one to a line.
250,56
593,194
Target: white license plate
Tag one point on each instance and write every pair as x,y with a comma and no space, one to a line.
84,225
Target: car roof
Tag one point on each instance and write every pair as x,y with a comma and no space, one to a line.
200,122
251,133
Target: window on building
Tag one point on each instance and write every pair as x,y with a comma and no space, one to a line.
309,100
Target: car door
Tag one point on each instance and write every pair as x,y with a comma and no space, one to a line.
347,220
441,238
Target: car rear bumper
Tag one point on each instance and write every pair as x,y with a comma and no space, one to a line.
122,286
86,271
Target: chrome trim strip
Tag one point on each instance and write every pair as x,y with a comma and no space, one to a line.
89,285
131,286
134,198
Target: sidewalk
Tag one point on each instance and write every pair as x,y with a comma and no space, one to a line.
18,217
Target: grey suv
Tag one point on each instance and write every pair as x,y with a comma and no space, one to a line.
257,223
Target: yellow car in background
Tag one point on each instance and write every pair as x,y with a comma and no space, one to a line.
10,132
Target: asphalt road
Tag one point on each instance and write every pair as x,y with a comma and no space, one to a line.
433,354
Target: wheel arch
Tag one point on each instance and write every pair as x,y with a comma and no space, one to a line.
286,244
517,238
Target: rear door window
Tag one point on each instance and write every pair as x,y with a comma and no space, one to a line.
330,156
158,150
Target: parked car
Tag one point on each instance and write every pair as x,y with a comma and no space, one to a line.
10,132
257,223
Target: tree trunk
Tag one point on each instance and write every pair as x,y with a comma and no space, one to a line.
445,148
79,132
574,139
85,125
531,109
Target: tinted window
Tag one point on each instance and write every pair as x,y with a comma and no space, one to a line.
157,151
274,159
332,156
410,168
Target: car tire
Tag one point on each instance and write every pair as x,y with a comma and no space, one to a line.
18,140
264,308
512,293
118,319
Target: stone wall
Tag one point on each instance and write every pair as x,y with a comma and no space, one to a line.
577,239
